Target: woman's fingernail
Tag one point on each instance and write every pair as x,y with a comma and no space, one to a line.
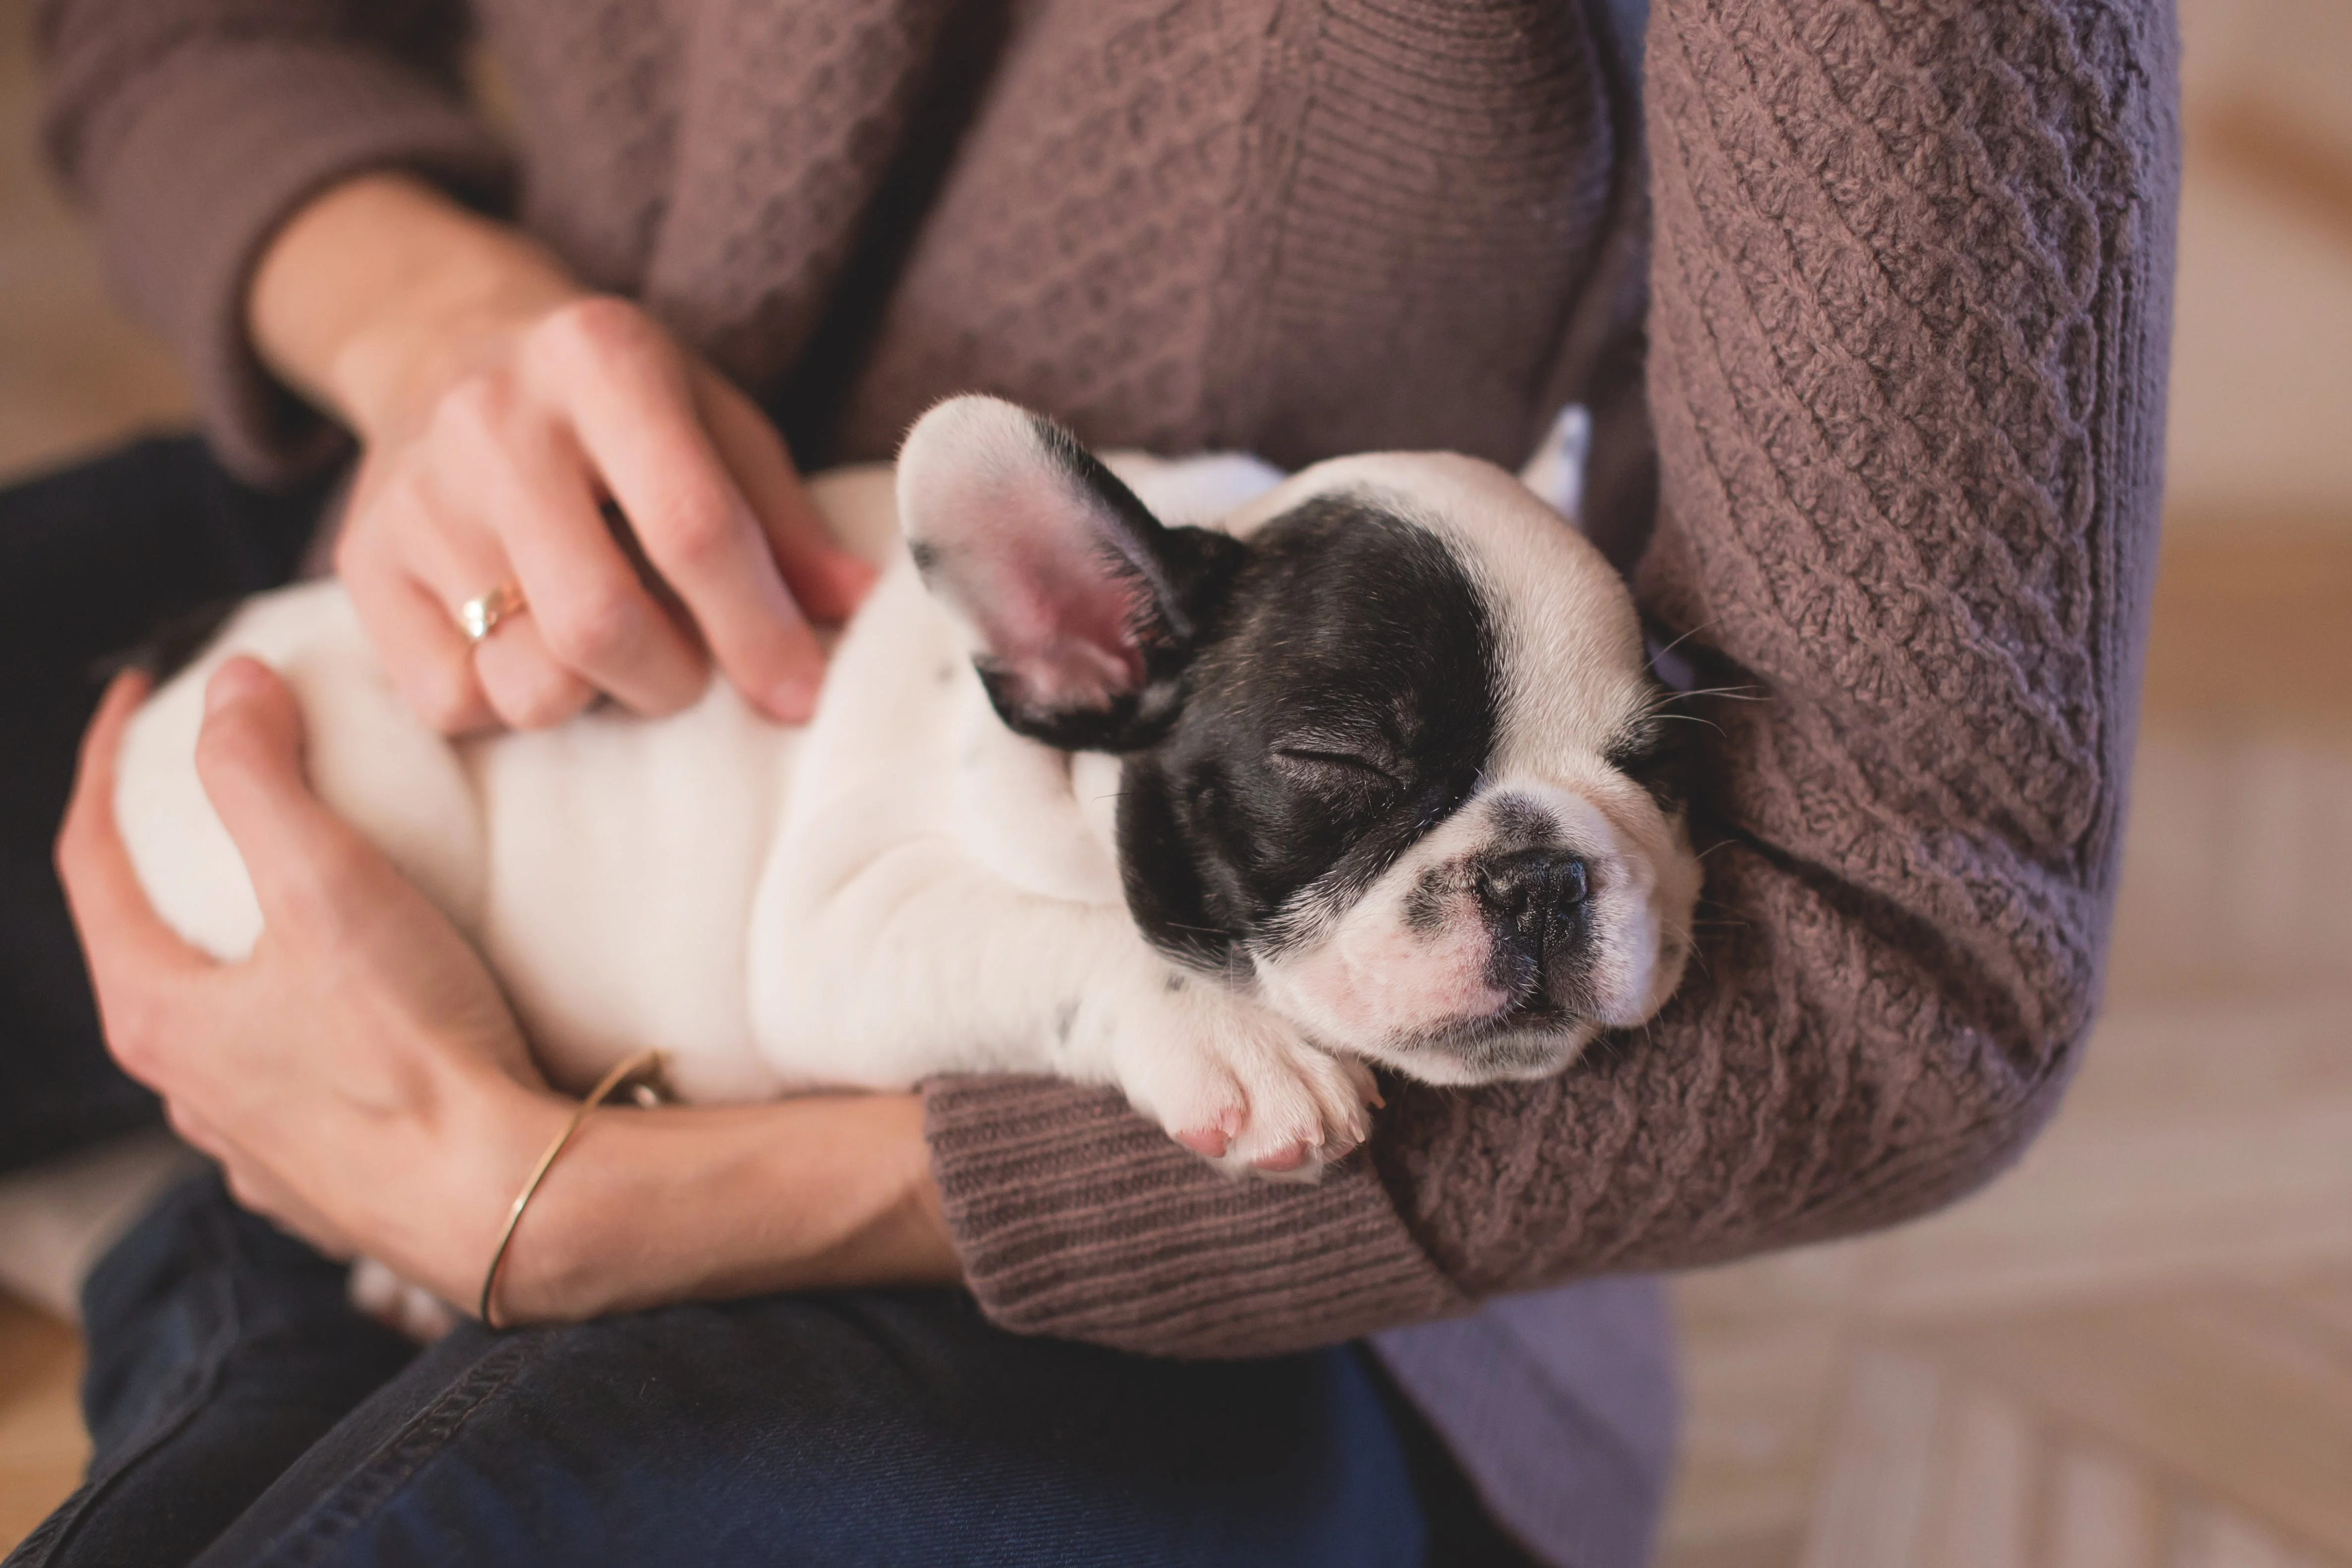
230,683
794,697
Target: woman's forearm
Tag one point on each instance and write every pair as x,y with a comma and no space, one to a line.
644,1207
379,289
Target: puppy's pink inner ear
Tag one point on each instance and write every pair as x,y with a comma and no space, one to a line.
1058,613
1061,625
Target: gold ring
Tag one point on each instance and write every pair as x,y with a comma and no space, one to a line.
477,618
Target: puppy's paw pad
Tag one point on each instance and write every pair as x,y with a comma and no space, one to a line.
1209,1142
1285,1161
1240,1086
1296,1161
1193,1096
1285,1138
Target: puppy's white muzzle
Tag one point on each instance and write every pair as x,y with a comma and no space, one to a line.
1451,967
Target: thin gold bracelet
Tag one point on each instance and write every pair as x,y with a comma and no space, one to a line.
645,1061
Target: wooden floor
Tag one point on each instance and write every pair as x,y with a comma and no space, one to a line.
2135,1351
2184,1430
42,1446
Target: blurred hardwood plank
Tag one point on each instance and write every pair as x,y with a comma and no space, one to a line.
2326,1306
1764,1549
2287,54
42,1446
2253,619
1882,1483
2103,1514
2198,1429
1990,1486
2287,149
2207,1539
2226,1392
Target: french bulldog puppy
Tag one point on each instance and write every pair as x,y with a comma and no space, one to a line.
1186,777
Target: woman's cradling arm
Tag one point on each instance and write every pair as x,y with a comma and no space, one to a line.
1910,311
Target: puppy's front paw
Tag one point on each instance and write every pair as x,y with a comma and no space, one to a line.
1242,1088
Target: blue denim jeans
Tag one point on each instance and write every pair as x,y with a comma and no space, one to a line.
92,560
243,1413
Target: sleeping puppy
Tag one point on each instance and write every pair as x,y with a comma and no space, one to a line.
1184,777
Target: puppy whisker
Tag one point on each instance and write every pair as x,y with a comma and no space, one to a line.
1690,946
1684,719
1682,639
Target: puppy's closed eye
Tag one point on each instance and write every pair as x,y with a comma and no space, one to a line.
1328,766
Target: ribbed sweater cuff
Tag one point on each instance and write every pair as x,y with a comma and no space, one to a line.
222,143
1076,1217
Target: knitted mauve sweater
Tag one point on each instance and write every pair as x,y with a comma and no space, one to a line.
1908,267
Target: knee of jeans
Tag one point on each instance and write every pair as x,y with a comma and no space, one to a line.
197,1280
905,1430
156,1314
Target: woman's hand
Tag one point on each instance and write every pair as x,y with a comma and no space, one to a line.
500,406
361,1082
359,1077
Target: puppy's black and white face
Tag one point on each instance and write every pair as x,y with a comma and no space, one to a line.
1392,750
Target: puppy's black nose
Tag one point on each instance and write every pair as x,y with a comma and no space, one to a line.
1534,898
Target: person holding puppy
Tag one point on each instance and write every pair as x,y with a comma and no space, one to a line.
1870,310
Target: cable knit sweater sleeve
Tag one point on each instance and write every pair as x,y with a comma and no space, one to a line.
193,128
1911,298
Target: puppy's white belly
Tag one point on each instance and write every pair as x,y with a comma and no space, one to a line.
622,857
606,869
400,785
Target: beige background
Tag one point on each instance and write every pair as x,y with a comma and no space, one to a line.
2135,1351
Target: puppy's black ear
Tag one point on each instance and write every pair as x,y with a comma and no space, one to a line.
1081,608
